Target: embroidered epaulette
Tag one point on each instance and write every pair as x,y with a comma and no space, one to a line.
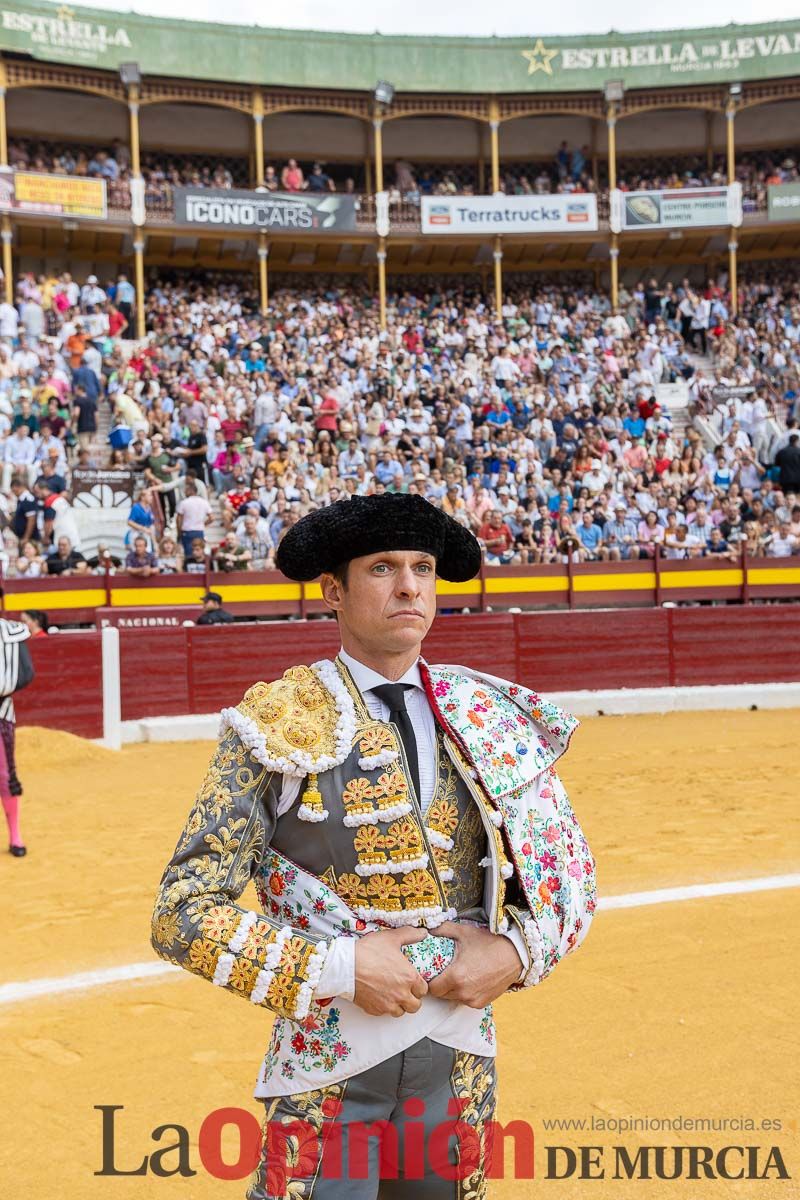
295,725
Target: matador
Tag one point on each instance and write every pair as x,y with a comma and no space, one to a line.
415,856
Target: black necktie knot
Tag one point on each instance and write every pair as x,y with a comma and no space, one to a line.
393,695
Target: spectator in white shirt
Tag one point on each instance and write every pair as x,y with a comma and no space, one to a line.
26,360
782,544
92,294
19,456
32,319
351,459
64,523
9,321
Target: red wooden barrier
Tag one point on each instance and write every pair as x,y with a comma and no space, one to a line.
67,692
579,651
154,673
749,645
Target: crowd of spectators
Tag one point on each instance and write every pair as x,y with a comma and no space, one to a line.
570,169
162,171
542,432
573,169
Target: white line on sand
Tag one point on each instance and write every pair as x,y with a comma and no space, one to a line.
695,891
14,993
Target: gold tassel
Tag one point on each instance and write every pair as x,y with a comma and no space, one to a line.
312,796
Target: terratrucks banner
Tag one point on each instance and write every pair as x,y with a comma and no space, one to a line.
509,214
270,211
783,201
681,208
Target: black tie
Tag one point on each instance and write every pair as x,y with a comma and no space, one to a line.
393,694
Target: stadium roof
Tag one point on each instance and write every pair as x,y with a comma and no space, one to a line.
253,55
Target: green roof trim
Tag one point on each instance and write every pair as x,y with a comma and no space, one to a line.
244,54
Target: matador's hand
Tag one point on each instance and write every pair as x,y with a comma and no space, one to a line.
484,966
386,982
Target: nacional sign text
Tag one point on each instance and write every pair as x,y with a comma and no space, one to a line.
279,211
575,213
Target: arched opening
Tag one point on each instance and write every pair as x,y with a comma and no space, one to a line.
433,155
68,132
184,144
545,154
340,144
668,147
767,141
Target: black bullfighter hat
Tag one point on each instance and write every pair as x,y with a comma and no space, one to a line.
326,539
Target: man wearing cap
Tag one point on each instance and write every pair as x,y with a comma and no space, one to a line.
213,613
92,293
619,536
415,856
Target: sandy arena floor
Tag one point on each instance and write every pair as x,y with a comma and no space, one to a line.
673,1009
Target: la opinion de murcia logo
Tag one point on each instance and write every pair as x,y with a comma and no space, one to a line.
65,31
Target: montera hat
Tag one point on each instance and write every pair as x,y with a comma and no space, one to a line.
326,539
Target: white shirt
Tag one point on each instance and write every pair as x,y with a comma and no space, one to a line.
20,451
9,321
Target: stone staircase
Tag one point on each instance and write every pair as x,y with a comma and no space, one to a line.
702,363
676,399
103,428
215,532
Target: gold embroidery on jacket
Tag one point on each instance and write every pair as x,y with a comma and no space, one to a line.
369,845
403,840
294,713
390,789
383,891
357,797
465,889
290,1162
390,891
196,919
473,1080
375,739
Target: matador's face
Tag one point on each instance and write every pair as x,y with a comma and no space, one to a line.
388,600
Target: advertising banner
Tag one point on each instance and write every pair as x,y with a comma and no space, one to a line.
271,211
98,487
783,202
509,214
55,195
732,393
680,208
94,37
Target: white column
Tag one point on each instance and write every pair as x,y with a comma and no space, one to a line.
112,699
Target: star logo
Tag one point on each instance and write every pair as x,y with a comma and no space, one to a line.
539,59
65,13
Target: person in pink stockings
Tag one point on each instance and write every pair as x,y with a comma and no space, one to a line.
10,807
16,671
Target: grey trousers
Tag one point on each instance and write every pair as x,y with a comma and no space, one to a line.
318,1145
